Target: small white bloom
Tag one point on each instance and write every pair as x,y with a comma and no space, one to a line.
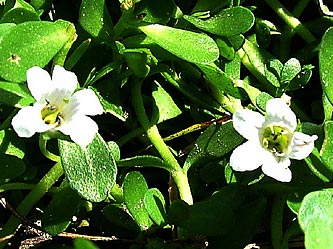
58,107
272,140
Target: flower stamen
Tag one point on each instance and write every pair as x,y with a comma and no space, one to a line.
276,139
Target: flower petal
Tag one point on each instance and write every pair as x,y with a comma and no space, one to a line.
247,123
277,111
246,157
28,121
63,79
302,145
81,129
39,82
278,170
84,102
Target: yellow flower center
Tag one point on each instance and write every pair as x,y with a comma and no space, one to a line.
276,139
52,114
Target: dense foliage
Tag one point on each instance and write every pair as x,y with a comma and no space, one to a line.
169,75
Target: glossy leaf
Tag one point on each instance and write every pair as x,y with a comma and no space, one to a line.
155,205
221,80
257,60
290,70
326,63
15,94
19,15
20,52
91,171
95,19
214,142
10,144
166,107
315,219
135,188
187,45
229,22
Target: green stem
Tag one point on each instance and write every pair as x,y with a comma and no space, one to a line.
287,34
291,20
43,149
15,185
31,199
276,220
178,174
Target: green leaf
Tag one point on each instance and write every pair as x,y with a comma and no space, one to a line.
95,19
18,53
135,188
155,205
187,45
91,171
19,15
225,48
120,219
80,243
257,61
115,150
5,28
229,22
327,148
221,80
110,107
15,94
326,63
301,79
138,61
10,144
166,107
154,11
143,161
315,218
290,70
216,141
10,166
66,200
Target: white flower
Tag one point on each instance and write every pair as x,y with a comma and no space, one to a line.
272,140
57,107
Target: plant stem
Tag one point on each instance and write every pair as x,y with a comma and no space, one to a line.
276,221
46,153
291,20
153,134
31,199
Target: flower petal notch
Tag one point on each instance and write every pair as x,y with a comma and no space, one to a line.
58,107
272,141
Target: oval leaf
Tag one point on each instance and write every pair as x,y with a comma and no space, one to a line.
135,188
229,22
187,45
326,63
155,205
25,46
91,171
315,219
